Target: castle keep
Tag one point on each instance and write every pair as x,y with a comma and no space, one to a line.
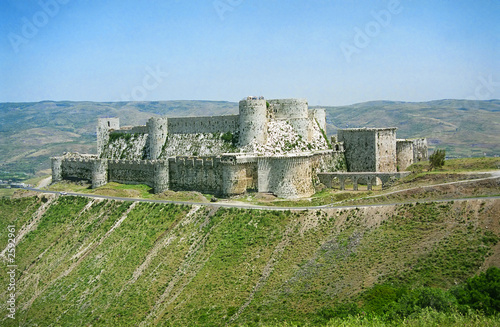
275,146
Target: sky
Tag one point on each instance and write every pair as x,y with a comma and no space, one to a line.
332,52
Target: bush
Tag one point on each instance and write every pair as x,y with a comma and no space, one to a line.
481,292
436,160
338,310
435,298
379,297
227,137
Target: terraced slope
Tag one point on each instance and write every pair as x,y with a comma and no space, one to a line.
108,263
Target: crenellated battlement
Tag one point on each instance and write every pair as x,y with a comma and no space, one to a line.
276,145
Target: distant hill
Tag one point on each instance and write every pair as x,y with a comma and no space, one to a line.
32,132
463,127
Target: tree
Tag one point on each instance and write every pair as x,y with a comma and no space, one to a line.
436,160
481,292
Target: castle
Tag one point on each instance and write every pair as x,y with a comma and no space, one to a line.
271,146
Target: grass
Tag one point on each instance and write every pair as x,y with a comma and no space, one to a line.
7,192
36,180
461,165
137,191
89,262
426,318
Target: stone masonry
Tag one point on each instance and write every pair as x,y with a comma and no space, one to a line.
273,146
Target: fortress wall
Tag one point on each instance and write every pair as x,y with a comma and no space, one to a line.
201,174
142,129
360,149
251,175
404,153
420,150
207,144
133,147
288,108
290,177
234,178
210,124
157,129
131,172
104,126
319,116
303,127
77,168
386,150
328,161
252,122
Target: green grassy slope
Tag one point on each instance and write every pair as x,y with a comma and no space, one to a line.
108,263
32,132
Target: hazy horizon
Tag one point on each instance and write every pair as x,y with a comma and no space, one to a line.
236,101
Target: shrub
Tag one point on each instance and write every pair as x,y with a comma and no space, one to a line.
338,310
481,292
436,160
227,137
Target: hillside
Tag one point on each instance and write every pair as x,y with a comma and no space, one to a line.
88,261
462,127
32,132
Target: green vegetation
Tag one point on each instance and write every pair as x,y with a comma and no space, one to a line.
120,136
393,304
460,165
7,192
231,139
89,261
135,191
436,160
14,176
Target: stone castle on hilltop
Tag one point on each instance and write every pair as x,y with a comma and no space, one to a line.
271,146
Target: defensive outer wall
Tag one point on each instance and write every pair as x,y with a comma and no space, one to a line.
288,176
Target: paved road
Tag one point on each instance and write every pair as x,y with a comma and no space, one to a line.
494,175
250,206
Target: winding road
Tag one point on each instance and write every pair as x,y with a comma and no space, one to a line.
257,207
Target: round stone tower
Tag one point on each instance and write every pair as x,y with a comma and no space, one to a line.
293,111
253,121
157,130
56,169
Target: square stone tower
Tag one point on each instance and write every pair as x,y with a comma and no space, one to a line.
369,149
